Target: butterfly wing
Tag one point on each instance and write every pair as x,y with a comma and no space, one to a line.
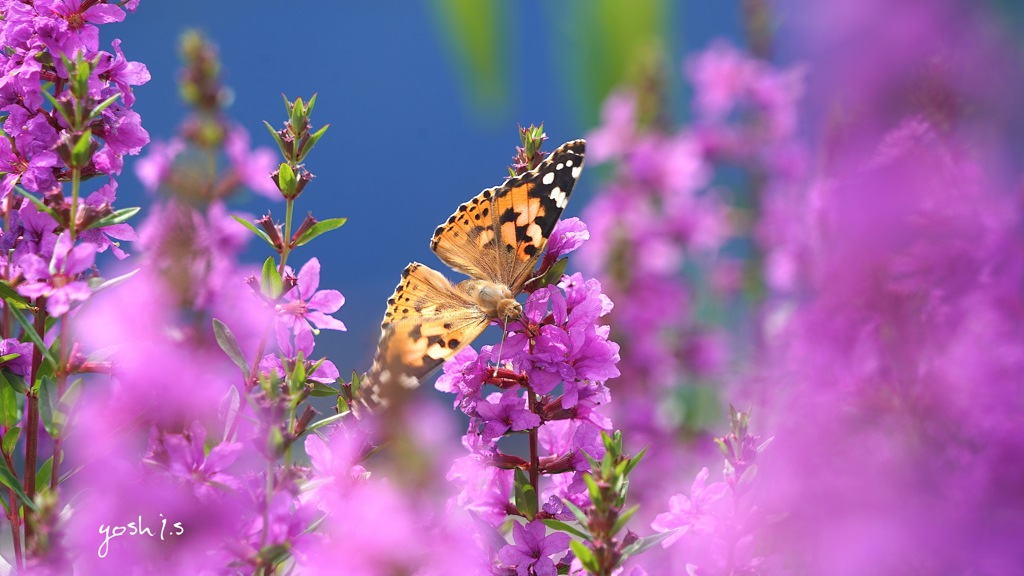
500,234
428,320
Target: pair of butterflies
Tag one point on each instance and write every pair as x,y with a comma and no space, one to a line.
496,238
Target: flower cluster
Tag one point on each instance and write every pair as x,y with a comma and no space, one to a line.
549,373
66,109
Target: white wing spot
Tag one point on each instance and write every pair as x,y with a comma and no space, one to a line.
548,178
559,197
576,171
568,162
560,166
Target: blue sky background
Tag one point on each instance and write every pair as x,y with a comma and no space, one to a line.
411,138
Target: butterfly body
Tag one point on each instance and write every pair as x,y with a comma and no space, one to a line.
496,238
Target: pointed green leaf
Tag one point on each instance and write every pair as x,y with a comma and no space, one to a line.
555,273
103,106
585,555
286,182
319,228
322,390
8,479
569,528
12,297
30,331
43,475
227,342
117,217
326,421
39,203
80,152
270,281
646,543
11,440
49,413
624,519
580,516
9,415
255,229
99,284
277,138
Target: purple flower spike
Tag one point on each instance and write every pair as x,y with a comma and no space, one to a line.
530,555
55,279
504,411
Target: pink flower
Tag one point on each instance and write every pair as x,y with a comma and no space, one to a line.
531,553
304,307
56,280
690,512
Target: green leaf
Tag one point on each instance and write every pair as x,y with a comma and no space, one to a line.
270,280
286,182
586,556
321,389
9,411
555,273
313,139
15,380
525,495
12,297
319,228
580,516
227,342
8,479
99,284
255,229
624,519
49,413
277,138
117,217
11,440
103,106
80,152
646,543
39,203
30,331
43,475
326,421
565,527
9,357
634,461
592,488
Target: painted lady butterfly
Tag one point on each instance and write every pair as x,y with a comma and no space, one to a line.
496,238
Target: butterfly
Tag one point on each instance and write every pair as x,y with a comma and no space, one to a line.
496,238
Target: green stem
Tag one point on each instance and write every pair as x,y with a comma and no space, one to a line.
13,516
32,419
534,453
76,179
289,206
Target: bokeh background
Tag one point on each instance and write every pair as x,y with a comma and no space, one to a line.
423,99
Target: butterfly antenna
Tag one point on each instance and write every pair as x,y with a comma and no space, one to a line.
504,333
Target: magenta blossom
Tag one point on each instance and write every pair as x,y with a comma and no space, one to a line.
304,307
531,554
20,364
504,411
56,280
568,235
184,457
690,512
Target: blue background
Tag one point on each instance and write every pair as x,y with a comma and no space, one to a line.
410,138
